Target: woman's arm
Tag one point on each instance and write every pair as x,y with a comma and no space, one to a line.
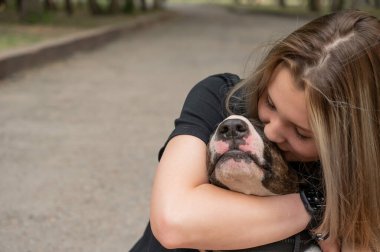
188,212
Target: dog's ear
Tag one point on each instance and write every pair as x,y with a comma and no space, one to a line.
280,178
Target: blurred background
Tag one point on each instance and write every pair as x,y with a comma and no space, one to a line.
60,17
89,90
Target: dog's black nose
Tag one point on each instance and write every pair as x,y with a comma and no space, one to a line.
233,128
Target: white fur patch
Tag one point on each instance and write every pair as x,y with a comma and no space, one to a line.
242,176
255,145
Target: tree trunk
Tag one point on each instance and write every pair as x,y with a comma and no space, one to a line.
18,5
354,4
49,5
377,4
144,7
29,9
69,7
3,3
129,6
113,6
337,5
315,5
94,7
282,3
157,4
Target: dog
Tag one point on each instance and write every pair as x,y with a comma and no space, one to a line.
240,158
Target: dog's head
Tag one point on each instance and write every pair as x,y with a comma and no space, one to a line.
241,159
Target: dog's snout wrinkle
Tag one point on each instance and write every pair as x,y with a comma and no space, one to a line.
233,129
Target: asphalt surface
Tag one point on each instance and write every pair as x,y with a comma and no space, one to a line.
79,138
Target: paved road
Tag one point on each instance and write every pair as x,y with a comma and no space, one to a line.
79,138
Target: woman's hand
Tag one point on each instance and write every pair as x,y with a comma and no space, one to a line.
187,211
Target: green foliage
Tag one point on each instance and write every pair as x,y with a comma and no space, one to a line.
10,39
38,18
129,6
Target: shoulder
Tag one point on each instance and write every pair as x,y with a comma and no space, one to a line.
204,107
212,90
218,82
207,98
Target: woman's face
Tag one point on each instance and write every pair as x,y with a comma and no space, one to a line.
282,109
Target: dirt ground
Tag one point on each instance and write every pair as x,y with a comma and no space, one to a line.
79,138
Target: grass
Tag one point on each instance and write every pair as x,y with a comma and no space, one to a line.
11,39
14,34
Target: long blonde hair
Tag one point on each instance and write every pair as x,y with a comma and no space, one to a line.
336,60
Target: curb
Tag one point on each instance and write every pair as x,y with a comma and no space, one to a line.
36,55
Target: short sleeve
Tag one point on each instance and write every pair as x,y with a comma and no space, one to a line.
204,108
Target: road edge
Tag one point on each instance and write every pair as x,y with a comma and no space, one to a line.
24,58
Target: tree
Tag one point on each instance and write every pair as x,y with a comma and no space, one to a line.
315,5
355,4
94,7
113,6
49,5
129,6
69,7
3,3
282,3
337,5
29,9
144,6
18,5
157,4
377,4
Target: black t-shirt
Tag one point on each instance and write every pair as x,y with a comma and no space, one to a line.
203,110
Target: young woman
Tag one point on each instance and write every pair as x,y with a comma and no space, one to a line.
318,94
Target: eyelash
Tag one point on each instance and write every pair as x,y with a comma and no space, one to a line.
269,103
300,136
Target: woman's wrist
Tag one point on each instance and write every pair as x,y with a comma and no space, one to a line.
314,203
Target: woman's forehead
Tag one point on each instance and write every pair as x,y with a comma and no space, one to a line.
289,100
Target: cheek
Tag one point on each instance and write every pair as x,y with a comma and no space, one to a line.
262,110
305,152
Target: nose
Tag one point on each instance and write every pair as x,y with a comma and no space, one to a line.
233,128
274,132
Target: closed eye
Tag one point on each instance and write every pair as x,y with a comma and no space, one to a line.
269,103
301,136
